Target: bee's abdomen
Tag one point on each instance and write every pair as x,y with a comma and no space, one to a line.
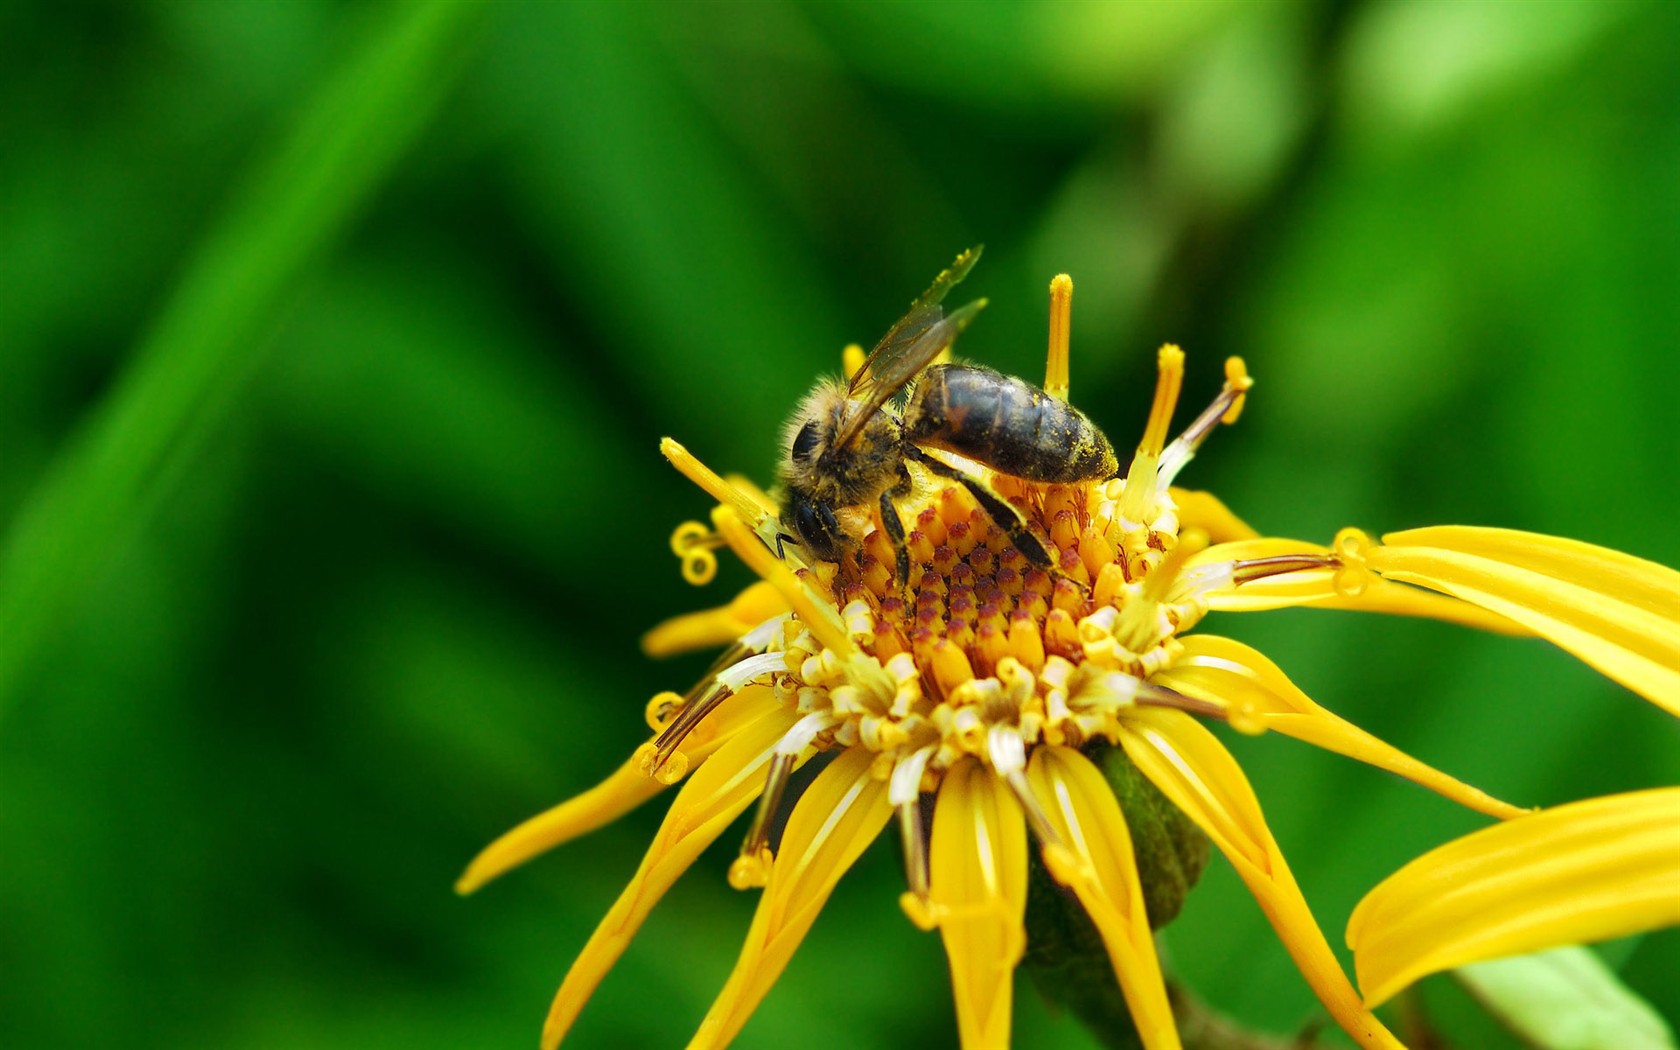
1007,424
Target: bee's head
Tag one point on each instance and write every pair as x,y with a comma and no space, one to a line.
815,524
808,437
806,440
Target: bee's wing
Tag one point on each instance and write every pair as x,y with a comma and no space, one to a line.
909,346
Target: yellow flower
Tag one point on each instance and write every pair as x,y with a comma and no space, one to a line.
977,687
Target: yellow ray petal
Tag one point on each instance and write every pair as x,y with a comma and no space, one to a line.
713,627
627,788
1102,872
978,865
1316,588
1224,671
713,797
1582,872
1201,778
1619,614
1205,511
838,816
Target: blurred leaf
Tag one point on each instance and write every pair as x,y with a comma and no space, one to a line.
1566,999
190,365
1411,67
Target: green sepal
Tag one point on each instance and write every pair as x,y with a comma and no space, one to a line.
1065,953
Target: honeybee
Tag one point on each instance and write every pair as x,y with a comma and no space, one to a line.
848,448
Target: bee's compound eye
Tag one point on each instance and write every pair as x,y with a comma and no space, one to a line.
805,442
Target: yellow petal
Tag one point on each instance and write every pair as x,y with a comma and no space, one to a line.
1201,778
835,820
1616,612
1582,872
1102,872
713,797
714,627
1205,511
1316,588
627,788
978,867
1224,671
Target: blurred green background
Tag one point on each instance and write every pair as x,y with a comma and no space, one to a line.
336,341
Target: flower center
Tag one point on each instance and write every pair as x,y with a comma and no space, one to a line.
979,652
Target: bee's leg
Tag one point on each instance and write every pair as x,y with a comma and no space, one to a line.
895,532
1008,518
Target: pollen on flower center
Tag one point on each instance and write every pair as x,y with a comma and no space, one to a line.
980,652
973,600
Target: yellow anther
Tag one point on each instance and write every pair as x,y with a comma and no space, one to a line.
1350,581
921,911
1140,500
662,708
851,359
1351,545
673,769
751,871
1063,864
1237,379
1061,316
694,544
1169,379
1245,717
1352,577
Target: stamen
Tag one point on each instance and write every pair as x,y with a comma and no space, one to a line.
915,901
704,698
661,708
852,359
1352,575
739,674
658,762
1150,695
1225,409
1247,570
694,544
1007,752
1236,375
1169,379
1061,316
714,486
1138,502
752,868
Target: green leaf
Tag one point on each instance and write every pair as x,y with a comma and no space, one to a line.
1565,999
